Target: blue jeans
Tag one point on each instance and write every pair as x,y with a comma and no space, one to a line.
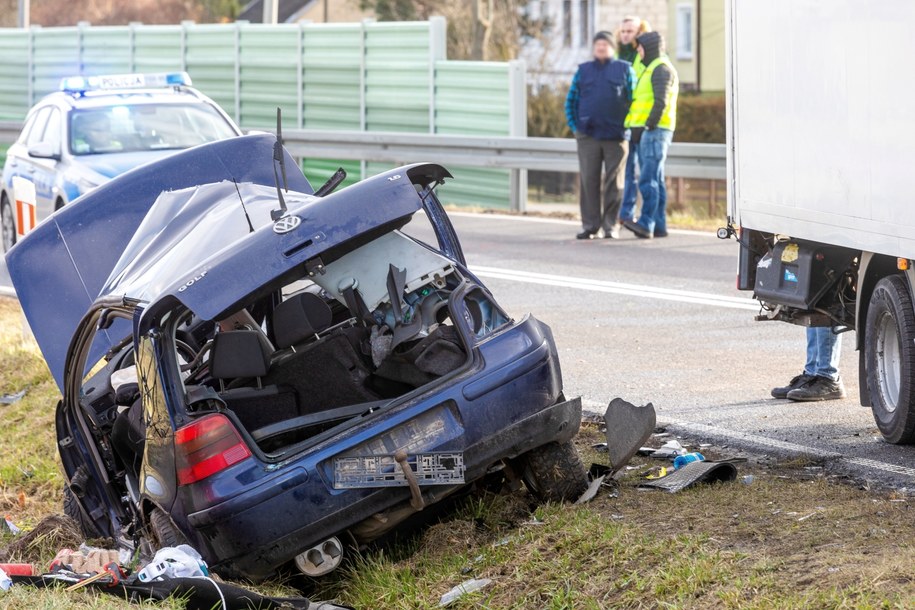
631,188
652,154
823,350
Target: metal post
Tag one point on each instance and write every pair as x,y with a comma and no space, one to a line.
517,96
24,10
271,11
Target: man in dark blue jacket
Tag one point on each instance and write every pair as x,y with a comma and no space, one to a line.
596,109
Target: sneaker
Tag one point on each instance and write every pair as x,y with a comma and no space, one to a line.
638,229
821,388
797,382
613,233
660,233
584,235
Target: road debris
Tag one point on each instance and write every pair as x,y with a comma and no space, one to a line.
694,473
592,490
466,587
682,460
8,399
628,427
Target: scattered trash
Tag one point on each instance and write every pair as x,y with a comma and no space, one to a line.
9,526
8,399
599,447
628,427
660,474
468,586
682,460
669,450
503,542
5,581
617,517
748,480
693,473
84,560
592,490
181,561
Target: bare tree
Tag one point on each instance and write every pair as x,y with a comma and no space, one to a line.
117,12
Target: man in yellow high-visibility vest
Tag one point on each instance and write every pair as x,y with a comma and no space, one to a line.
631,27
652,119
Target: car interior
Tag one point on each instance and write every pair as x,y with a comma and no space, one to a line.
295,364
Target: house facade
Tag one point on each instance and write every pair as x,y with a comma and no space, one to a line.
573,23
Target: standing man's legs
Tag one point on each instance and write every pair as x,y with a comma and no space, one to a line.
824,347
651,158
631,188
660,216
590,160
614,153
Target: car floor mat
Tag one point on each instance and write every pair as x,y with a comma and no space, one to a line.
695,472
200,593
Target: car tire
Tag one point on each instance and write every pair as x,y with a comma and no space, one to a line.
164,531
889,359
58,204
7,224
554,472
73,510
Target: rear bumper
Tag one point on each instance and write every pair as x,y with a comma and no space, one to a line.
268,543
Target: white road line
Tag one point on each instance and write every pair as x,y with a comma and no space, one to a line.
638,290
762,441
558,221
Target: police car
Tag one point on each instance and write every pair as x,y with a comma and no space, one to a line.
95,128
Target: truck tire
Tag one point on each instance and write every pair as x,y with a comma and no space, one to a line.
164,531
554,472
72,510
889,359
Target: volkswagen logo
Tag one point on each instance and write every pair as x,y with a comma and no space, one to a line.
286,224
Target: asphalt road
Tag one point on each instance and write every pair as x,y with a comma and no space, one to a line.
660,321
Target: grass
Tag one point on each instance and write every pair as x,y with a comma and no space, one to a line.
793,538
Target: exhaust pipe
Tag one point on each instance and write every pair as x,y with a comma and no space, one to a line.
320,559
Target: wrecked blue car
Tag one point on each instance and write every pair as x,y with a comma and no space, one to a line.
275,375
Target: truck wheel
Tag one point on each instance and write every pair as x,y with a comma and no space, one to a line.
7,224
889,358
554,472
164,531
72,510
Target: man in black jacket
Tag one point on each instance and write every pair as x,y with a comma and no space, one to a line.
596,109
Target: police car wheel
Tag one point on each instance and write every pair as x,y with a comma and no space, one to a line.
889,359
7,224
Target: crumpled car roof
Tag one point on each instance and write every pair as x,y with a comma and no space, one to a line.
60,268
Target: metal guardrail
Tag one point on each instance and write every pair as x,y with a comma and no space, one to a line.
546,154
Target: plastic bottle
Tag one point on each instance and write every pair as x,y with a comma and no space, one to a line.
683,460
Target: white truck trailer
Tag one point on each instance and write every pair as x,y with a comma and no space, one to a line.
821,170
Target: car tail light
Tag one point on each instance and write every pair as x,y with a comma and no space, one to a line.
207,446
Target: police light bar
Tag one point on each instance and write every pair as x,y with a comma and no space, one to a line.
82,84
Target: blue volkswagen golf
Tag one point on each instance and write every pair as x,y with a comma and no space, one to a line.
276,375
95,128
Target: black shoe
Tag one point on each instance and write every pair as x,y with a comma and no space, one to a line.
797,382
636,228
821,388
660,233
584,235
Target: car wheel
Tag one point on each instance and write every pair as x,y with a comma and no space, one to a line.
7,224
73,510
58,204
889,359
554,472
165,532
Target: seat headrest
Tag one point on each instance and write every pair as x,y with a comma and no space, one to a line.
239,353
300,317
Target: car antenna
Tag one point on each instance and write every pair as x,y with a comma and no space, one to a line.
279,157
244,209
